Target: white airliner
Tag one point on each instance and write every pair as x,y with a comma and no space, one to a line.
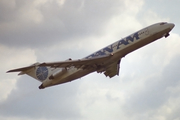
106,60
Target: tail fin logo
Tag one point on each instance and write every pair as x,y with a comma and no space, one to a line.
42,73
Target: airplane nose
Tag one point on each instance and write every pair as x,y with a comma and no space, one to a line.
171,25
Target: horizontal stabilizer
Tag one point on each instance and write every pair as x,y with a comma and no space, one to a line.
20,69
23,70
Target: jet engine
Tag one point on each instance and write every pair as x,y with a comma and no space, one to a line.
57,73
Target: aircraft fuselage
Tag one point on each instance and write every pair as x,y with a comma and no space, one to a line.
118,50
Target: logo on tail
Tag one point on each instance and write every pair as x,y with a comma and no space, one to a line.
42,73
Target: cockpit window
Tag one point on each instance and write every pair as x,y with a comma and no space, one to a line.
163,23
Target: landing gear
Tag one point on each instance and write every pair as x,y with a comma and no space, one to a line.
166,35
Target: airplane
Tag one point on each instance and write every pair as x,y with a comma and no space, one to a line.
106,60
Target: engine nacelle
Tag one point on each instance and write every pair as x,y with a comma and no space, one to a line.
57,73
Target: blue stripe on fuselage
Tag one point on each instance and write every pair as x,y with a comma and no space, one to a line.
115,46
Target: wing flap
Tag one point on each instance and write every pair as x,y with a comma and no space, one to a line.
112,69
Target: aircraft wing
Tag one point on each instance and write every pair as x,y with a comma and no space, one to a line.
86,62
110,70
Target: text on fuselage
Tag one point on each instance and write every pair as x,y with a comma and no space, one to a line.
115,46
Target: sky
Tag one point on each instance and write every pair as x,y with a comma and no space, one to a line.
148,86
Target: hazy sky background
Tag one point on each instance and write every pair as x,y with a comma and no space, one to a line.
54,30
